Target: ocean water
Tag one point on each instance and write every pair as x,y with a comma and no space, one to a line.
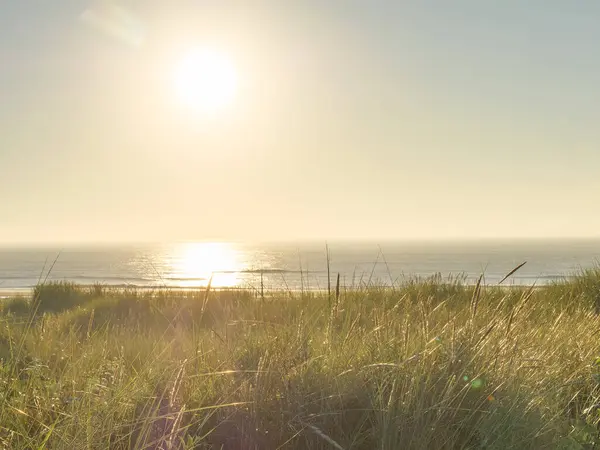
294,266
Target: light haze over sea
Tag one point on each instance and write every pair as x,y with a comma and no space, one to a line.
294,265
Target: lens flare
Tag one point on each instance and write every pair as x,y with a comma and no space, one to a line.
116,22
477,383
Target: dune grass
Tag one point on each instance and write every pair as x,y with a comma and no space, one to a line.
431,364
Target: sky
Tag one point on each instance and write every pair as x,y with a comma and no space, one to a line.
353,119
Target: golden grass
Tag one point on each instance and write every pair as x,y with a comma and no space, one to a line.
428,365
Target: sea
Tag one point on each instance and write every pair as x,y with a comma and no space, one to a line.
294,265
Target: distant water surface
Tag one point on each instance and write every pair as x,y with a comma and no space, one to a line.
294,266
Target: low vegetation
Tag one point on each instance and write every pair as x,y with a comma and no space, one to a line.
431,364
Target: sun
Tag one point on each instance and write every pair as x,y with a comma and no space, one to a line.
206,81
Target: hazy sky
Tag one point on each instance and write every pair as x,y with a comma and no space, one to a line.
353,119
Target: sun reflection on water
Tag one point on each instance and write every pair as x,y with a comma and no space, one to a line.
193,264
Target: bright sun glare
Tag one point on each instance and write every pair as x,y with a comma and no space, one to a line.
195,263
206,80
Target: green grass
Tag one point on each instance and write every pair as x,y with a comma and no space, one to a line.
432,364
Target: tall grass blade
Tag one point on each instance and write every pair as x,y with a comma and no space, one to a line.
328,273
337,290
476,297
509,274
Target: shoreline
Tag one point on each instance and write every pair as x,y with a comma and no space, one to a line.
9,293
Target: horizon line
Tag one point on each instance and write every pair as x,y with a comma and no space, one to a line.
313,241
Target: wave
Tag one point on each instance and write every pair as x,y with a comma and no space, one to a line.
182,279
246,271
78,277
